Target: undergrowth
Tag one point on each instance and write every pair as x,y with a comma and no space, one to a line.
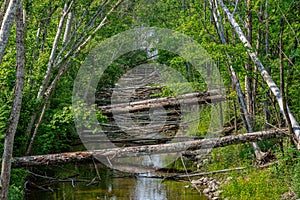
272,182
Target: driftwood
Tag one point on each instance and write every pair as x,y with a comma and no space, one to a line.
192,98
110,154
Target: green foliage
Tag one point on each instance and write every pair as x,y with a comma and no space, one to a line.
177,89
57,134
255,185
16,188
192,18
230,157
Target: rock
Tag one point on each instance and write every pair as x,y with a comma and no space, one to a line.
205,161
213,188
227,180
196,182
206,191
187,186
217,193
215,198
199,165
205,180
289,195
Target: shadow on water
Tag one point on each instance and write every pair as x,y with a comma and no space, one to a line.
113,185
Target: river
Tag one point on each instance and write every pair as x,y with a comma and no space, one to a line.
99,182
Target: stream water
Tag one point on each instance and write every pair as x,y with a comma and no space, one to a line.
105,183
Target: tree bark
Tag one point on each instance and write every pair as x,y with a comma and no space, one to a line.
68,27
6,26
16,107
53,51
64,63
243,106
249,70
192,98
28,151
179,147
258,153
282,82
267,78
267,101
3,9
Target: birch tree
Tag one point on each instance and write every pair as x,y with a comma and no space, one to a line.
6,25
265,75
16,107
244,111
75,39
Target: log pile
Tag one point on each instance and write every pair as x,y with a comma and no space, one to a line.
110,154
187,99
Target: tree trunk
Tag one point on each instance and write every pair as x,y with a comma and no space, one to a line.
16,107
3,10
267,78
249,70
282,82
6,26
28,151
178,147
267,101
258,153
192,98
68,27
64,63
53,51
243,106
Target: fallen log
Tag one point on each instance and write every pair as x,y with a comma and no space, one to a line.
181,176
113,153
186,99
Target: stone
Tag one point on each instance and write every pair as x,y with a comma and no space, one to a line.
217,193
196,182
227,180
206,191
213,188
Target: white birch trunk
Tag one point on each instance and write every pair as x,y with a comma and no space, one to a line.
246,118
16,107
267,78
63,65
53,51
6,26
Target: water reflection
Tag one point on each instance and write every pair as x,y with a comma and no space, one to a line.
149,189
115,188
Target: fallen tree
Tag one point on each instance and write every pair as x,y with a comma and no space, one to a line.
113,153
186,99
265,75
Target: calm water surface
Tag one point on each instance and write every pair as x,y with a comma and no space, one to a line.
112,186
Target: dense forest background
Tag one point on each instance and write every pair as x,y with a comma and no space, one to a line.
44,43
